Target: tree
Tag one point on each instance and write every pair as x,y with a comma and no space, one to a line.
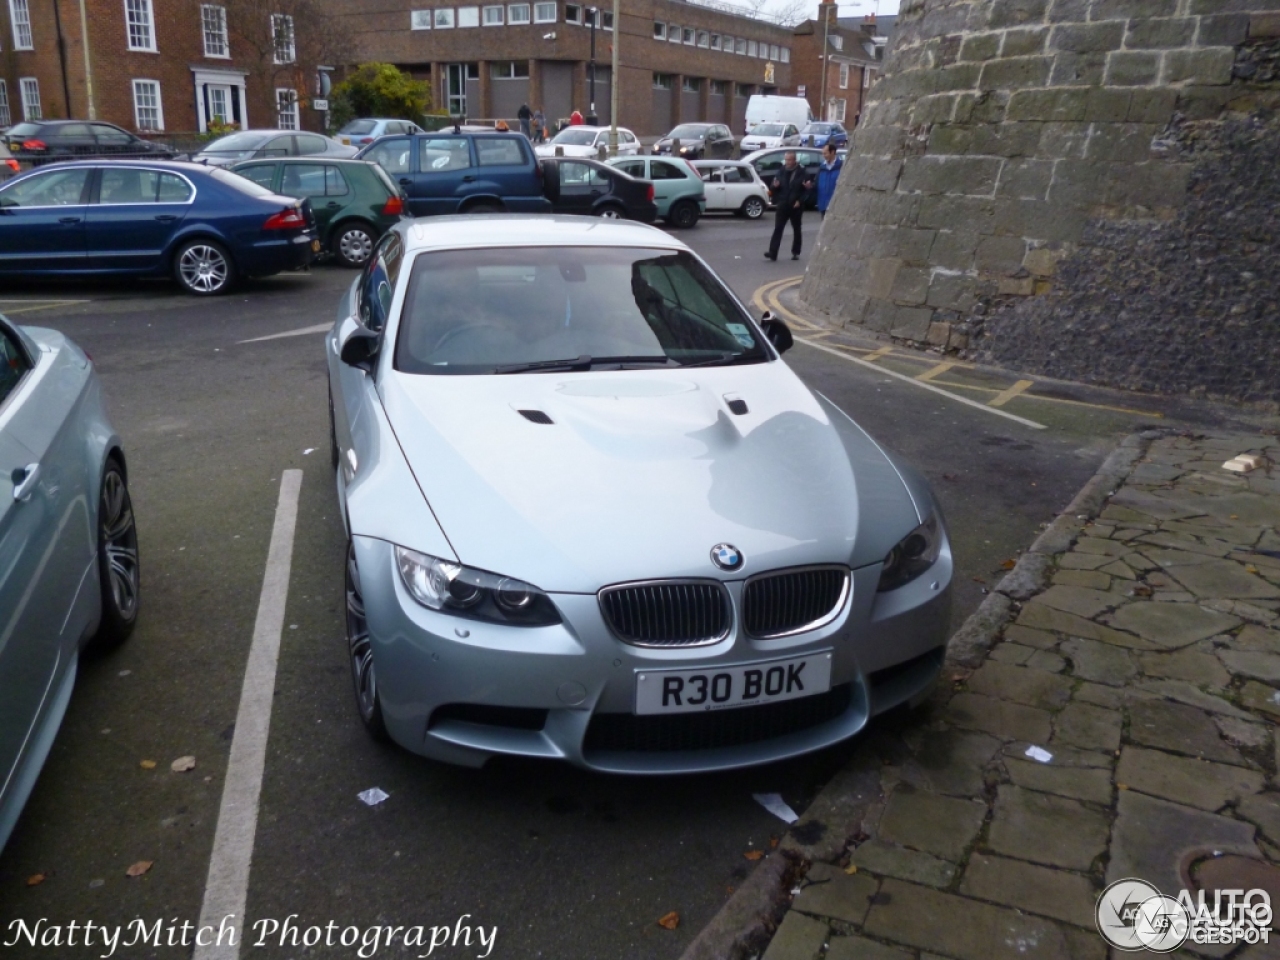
380,90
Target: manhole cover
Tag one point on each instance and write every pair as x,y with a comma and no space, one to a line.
1237,873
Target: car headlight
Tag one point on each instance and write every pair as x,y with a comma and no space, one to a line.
465,592
912,555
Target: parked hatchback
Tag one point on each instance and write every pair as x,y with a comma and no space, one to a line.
698,141
203,225
819,134
47,141
357,133
264,144
678,190
595,189
354,202
581,141
767,135
463,172
68,542
733,186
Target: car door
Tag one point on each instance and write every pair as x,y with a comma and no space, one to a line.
74,140
714,187
443,176
724,142
42,221
395,156
112,141
281,146
667,182
321,183
579,187
738,185
135,213
309,145
636,168
46,533
263,174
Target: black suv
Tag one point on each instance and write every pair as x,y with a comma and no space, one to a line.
699,141
44,141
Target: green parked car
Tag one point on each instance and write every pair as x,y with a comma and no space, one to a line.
678,190
354,202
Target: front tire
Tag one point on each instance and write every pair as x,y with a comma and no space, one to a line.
204,268
353,244
118,568
753,208
683,215
610,212
360,654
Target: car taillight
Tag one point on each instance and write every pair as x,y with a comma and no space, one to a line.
33,145
393,207
365,140
290,218
648,193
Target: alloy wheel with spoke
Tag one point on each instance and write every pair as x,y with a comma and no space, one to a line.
360,651
119,572
204,268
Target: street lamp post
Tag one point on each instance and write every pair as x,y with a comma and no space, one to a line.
592,118
613,80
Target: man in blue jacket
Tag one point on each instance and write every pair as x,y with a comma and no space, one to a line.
828,173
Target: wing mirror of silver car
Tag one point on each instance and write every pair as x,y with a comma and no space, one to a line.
779,333
360,349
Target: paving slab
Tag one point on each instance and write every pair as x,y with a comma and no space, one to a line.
1196,783
1171,625
1011,721
798,938
1035,688
943,826
1099,662
1179,728
1013,883
1083,561
1087,726
1014,653
1184,692
1082,578
962,927
830,892
1224,579
1152,837
1263,810
1040,638
1253,663
1091,784
1096,693
1043,828
860,948
891,860
1193,664
1081,601
1041,617
1259,696
1242,732
1099,546
952,761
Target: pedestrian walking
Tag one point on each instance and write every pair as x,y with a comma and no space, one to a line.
790,192
525,116
575,119
539,126
828,174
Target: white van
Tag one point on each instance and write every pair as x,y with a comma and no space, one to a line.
765,109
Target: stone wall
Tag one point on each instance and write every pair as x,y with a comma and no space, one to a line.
1087,189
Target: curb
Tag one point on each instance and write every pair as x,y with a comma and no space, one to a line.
744,925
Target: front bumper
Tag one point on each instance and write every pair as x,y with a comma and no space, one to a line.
463,691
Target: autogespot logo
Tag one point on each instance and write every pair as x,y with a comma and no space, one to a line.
1133,915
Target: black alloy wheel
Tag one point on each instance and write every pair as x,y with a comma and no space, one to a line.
360,652
118,569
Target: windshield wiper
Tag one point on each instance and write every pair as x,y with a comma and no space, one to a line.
726,360
583,362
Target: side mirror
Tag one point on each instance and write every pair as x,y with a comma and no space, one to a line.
779,333
360,349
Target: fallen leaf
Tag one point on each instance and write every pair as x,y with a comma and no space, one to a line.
139,868
35,880
183,764
669,921
978,580
1250,568
147,764
754,854
1122,786
1235,516
851,869
1008,564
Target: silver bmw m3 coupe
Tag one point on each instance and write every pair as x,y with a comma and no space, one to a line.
594,517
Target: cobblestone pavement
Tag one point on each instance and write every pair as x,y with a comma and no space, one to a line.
1139,646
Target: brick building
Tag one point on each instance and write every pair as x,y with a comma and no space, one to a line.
849,53
679,61
158,65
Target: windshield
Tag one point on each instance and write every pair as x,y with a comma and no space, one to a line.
500,310
570,137
688,131
768,130
236,143
359,126
818,128
23,130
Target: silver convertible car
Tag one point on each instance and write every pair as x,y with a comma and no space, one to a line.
594,517
68,544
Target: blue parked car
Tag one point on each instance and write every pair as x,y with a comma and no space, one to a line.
68,544
463,172
817,134
203,225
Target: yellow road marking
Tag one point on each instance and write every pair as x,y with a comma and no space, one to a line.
1005,396
43,306
877,354
935,371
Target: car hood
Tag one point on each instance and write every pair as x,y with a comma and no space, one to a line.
641,473
548,151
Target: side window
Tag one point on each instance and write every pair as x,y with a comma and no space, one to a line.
628,137
123,185
53,189
808,159
634,167
335,184
13,364
277,147
76,131
498,152
736,175
111,136
443,154
575,174
302,180
378,282
309,145
664,171
262,174
769,166
173,189
391,155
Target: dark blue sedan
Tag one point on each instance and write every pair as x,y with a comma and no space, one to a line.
818,133
204,226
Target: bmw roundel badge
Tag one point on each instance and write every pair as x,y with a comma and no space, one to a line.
726,556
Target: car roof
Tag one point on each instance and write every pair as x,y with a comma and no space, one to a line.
555,230
63,123
719,163
308,158
178,166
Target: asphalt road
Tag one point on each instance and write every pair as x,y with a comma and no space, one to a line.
565,864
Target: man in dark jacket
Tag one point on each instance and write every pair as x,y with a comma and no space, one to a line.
525,116
790,191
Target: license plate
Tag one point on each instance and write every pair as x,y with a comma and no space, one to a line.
737,685
315,246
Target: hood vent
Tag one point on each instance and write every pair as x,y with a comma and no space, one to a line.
737,406
535,416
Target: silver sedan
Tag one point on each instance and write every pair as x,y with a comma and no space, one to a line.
594,517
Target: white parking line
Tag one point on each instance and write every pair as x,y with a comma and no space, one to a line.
300,332
227,886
